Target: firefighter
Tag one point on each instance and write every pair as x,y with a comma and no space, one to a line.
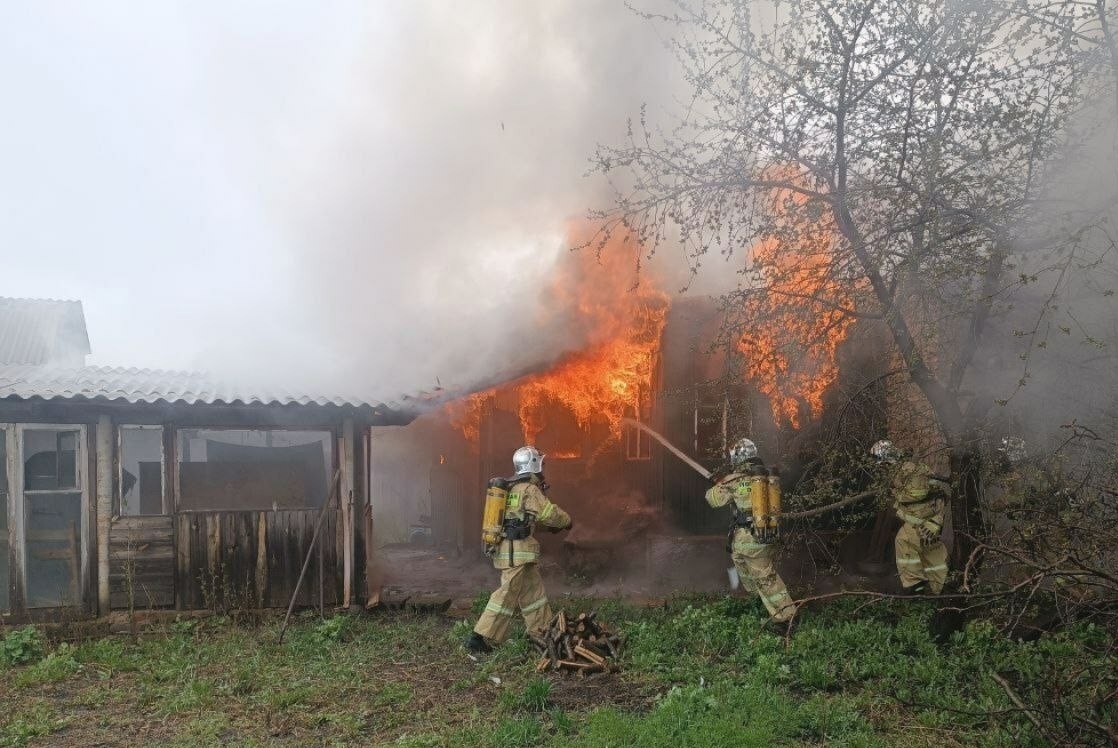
919,498
517,555
750,545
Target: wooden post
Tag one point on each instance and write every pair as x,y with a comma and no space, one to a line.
346,506
104,509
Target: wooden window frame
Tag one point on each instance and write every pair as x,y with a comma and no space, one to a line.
172,437
118,493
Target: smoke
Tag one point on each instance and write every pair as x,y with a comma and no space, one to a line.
426,217
1051,358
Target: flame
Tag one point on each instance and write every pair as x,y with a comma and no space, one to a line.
598,299
464,414
795,318
622,317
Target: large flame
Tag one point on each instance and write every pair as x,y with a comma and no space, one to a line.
618,316
797,314
464,414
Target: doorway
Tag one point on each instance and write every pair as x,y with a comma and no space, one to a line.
44,500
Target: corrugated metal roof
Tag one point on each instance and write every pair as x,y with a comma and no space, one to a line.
153,386
39,331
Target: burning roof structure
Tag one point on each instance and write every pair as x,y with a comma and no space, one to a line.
668,362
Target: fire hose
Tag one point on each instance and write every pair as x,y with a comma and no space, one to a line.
804,514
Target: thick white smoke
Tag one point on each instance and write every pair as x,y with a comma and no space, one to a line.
424,215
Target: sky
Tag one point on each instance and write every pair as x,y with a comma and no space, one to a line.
360,196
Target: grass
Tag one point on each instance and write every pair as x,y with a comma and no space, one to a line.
697,672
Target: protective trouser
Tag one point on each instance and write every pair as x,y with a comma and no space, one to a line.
917,563
754,562
521,589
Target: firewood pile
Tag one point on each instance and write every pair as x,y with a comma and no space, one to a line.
577,644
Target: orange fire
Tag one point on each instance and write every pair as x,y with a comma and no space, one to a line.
622,317
599,299
794,318
464,414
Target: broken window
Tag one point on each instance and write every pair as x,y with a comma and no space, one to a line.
253,469
5,577
141,470
52,516
637,442
50,460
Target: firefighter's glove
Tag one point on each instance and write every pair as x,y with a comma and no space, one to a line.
929,534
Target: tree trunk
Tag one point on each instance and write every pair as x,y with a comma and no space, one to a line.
966,507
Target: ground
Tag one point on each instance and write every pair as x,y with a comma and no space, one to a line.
697,671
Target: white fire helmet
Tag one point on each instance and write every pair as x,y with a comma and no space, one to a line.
742,452
884,451
527,460
1013,447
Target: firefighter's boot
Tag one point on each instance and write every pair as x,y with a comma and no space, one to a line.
476,643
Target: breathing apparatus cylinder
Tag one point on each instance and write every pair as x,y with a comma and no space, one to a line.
774,502
759,498
493,514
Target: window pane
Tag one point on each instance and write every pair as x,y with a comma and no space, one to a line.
5,579
253,469
68,459
50,460
53,547
141,471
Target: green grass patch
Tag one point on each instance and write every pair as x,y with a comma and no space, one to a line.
695,672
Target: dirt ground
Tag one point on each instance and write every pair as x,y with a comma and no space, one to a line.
656,566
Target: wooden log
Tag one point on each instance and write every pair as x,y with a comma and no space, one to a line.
575,665
594,657
599,649
561,621
543,664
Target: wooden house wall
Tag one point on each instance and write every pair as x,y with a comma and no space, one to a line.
141,562
689,413
252,559
203,559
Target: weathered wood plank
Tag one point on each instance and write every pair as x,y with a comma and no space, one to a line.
261,559
153,522
163,552
249,558
141,554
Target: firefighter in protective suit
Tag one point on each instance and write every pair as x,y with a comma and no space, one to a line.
517,556
751,550
919,499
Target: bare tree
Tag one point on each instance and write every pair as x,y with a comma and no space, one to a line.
915,134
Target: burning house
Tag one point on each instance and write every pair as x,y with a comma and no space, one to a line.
667,363
127,488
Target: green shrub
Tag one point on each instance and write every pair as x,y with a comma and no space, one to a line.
22,646
331,631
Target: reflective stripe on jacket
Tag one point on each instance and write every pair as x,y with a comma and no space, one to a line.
527,502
